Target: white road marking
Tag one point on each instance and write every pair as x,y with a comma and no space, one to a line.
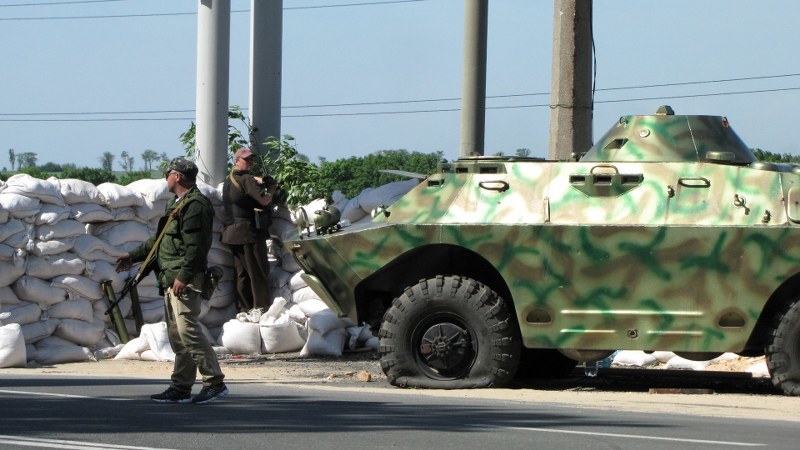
636,436
54,394
58,443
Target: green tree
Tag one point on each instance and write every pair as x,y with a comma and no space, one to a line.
765,156
127,161
11,157
298,178
27,159
523,152
130,177
107,161
92,175
51,167
148,157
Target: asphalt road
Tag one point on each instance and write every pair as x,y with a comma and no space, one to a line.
110,412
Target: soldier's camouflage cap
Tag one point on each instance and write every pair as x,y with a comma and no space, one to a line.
183,166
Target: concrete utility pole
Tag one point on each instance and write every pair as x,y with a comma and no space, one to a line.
571,84
473,90
266,35
213,60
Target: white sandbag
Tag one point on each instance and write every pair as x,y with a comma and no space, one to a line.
131,349
63,354
79,286
52,214
152,293
22,240
153,190
36,331
54,247
663,357
7,252
4,216
352,211
311,307
123,232
297,282
151,209
153,312
220,257
48,267
12,346
79,191
11,271
303,295
45,190
241,338
211,192
8,297
62,229
296,313
19,206
10,228
758,369
280,337
157,338
123,214
80,331
727,356
635,358
385,195
23,313
90,212
278,277
288,263
678,363
99,271
224,295
331,344
325,321
52,341
86,244
79,309
372,342
216,317
38,291
118,196
282,229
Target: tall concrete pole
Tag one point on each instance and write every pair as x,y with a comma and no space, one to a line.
473,89
266,35
571,84
213,60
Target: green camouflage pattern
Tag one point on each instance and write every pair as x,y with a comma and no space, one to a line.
676,239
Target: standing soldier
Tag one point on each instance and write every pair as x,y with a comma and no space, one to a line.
247,200
181,254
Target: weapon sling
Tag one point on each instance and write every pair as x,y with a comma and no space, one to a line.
143,269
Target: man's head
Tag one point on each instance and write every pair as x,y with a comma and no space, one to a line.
244,158
181,172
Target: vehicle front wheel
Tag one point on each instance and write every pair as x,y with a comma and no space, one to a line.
783,351
449,332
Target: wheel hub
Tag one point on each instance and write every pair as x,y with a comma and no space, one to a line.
446,347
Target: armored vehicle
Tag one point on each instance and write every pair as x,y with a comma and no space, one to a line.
667,235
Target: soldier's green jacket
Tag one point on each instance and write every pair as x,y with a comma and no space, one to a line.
183,251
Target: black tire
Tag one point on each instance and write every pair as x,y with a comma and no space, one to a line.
449,332
544,363
783,351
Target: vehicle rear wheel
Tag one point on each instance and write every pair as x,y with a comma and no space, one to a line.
449,332
783,351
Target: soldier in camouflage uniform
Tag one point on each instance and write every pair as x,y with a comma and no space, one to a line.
181,258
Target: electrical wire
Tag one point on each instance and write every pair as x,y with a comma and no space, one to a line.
76,2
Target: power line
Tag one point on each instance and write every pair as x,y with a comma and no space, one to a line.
423,111
121,16
60,3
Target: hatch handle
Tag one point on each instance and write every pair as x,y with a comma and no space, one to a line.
694,182
494,185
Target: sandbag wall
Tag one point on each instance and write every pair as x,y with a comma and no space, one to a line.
60,238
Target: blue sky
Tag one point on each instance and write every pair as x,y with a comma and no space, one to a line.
387,53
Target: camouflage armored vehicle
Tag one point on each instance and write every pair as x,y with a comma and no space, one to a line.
667,235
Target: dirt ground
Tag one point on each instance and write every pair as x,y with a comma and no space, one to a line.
361,371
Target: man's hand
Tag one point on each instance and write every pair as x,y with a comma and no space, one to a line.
179,288
124,263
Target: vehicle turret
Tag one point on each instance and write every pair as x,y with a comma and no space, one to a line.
666,137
